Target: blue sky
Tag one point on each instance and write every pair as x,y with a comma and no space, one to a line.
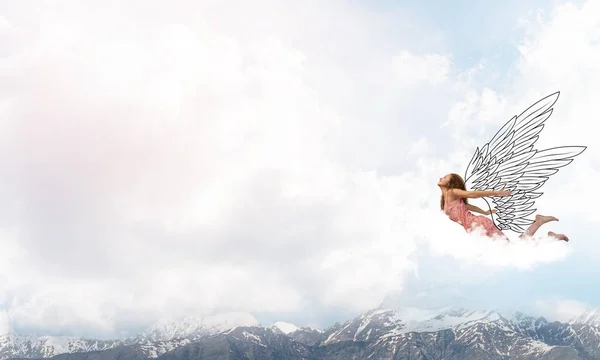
279,158
473,30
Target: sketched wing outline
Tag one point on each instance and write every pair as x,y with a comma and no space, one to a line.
510,162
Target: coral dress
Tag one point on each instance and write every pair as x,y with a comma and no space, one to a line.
458,212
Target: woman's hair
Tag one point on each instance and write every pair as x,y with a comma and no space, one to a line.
456,182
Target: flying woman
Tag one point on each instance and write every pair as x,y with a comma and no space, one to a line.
454,204
508,162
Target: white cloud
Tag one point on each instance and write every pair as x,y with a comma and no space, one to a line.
412,68
563,310
188,166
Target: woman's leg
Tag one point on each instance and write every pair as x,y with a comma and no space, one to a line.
539,221
562,237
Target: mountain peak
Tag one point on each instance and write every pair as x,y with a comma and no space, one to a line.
193,326
406,331
589,317
285,327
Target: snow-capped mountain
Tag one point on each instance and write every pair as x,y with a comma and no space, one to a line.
455,333
450,333
284,327
12,345
194,327
590,317
384,323
163,336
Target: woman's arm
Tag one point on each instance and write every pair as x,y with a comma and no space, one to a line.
474,208
479,193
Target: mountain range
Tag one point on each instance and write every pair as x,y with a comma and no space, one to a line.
381,333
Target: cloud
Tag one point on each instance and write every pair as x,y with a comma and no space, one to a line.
173,165
444,239
412,69
561,309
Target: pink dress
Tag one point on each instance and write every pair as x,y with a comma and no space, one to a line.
458,212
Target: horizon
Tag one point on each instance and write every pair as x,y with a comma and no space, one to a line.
411,313
208,320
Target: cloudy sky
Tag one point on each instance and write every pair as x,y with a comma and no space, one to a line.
280,158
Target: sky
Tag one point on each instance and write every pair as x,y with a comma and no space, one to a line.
280,158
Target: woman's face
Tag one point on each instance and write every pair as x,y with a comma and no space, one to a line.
444,180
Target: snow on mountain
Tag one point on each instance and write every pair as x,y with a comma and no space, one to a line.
409,331
194,327
486,332
12,345
417,320
156,349
589,317
170,333
161,337
526,324
383,322
286,328
457,333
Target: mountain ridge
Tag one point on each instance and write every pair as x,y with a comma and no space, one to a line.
384,333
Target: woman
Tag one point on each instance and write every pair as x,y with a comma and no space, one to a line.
455,205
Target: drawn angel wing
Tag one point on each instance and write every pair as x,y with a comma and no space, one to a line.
510,162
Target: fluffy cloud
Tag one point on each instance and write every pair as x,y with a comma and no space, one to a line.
182,165
202,158
561,309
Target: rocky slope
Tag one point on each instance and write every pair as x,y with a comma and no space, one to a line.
377,334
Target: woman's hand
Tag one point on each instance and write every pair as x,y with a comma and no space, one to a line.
503,193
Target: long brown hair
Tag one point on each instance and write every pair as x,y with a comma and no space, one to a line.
456,182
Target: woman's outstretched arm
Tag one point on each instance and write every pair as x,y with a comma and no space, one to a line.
479,193
476,209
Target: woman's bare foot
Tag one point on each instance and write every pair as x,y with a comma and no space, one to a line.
541,219
562,237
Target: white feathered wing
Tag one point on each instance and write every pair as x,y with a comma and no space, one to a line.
510,162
